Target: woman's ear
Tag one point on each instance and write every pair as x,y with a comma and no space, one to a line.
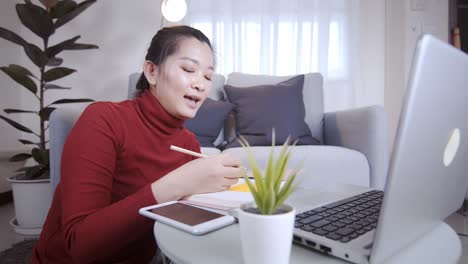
151,72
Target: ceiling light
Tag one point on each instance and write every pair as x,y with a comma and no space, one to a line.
173,10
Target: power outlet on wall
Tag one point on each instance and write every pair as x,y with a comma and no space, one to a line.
430,29
418,5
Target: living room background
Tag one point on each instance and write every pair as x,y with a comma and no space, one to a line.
276,37
122,29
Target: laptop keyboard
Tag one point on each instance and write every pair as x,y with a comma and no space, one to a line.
343,220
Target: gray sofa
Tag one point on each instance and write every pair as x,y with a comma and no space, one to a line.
353,145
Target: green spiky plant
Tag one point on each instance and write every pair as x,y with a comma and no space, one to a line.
43,22
268,192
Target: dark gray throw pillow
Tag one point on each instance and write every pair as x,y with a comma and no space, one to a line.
209,121
260,108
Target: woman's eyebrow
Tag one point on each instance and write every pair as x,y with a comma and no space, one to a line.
195,61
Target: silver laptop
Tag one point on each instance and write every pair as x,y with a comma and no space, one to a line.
427,179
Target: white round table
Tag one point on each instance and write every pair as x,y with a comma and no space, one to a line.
441,245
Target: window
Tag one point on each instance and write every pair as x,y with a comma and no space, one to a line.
278,37
279,48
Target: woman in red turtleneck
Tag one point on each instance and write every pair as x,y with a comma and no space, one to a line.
117,159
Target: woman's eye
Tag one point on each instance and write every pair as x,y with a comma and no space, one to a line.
187,70
208,78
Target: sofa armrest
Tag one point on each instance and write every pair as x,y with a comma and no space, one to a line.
365,130
61,121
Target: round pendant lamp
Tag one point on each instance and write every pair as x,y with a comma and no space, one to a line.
173,10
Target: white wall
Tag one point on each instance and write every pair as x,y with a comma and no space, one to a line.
394,63
372,61
406,20
10,97
122,29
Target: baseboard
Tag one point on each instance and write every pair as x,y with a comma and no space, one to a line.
6,197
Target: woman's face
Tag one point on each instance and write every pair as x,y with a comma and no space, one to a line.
183,81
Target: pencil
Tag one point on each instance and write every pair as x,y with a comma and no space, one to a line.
195,154
189,152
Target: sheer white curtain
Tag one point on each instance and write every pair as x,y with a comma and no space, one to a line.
286,37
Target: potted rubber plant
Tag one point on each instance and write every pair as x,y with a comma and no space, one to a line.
30,186
267,223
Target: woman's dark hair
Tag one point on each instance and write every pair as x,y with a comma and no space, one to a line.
165,43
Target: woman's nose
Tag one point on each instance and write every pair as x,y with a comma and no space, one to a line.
198,85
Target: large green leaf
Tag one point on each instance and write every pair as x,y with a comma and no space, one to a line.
62,7
53,62
16,125
48,3
21,69
45,113
14,111
23,168
62,20
57,73
36,19
56,49
11,36
81,46
27,142
41,156
68,101
54,86
20,157
20,77
34,172
36,55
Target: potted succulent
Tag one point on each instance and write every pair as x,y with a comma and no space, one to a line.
30,186
267,223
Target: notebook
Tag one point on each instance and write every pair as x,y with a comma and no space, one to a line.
226,200
427,179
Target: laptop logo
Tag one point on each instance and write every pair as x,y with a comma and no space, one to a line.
452,147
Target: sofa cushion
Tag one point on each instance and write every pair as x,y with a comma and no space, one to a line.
312,94
263,107
217,85
209,120
321,165
209,151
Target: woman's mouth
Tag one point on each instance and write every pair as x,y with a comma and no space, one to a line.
192,100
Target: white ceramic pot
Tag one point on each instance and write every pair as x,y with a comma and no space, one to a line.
32,200
266,238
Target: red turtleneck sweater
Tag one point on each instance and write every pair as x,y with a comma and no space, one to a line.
112,155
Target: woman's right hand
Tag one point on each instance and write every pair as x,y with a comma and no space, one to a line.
203,175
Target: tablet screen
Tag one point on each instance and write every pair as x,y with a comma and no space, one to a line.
189,215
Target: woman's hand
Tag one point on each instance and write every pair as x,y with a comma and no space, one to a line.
203,175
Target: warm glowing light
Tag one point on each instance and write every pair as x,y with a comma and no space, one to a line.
173,10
